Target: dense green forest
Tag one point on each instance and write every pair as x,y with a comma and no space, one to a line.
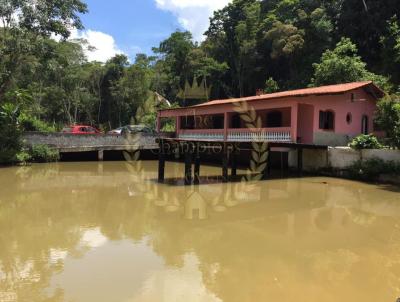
250,44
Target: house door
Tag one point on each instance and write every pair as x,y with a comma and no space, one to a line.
364,125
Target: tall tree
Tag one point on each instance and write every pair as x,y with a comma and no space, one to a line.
133,89
343,65
174,52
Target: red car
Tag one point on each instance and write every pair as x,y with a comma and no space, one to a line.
80,129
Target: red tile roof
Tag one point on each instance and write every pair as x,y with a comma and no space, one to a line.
323,90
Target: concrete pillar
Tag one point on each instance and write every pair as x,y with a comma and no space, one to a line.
234,161
294,121
226,125
197,165
225,163
267,171
161,162
100,155
300,161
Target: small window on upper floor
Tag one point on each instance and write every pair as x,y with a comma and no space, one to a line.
327,120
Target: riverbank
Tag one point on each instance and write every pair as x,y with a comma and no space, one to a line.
377,166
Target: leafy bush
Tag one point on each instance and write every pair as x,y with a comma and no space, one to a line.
271,86
31,123
388,118
372,168
150,121
365,142
44,153
23,156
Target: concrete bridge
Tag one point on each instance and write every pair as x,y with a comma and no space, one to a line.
72,143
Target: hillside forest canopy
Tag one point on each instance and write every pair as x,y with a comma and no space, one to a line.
250,45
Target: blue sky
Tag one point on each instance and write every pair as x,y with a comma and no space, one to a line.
133,26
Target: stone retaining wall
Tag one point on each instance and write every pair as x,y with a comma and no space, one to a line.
67,142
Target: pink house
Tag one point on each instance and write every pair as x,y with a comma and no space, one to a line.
328,115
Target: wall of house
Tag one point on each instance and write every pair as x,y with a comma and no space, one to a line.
295,114
305,124
341,105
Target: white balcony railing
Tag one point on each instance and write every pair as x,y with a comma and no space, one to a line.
263,136
202,136
239,135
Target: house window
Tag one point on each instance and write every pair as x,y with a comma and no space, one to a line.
326,120
349,118
364,125
274,119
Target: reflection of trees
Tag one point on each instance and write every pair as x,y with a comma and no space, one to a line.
30,229
274,241
35,223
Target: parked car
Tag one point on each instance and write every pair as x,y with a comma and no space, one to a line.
132,129
80,129
116,131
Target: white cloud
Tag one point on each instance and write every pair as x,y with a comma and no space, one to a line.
104,44
193,14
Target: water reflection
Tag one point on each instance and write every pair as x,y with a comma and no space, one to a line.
108,232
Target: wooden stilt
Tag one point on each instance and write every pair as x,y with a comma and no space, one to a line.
234,161
300,161
269,162
225,163
197,165
267,170
188,165
161,163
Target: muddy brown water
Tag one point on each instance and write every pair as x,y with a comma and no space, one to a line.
108,232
